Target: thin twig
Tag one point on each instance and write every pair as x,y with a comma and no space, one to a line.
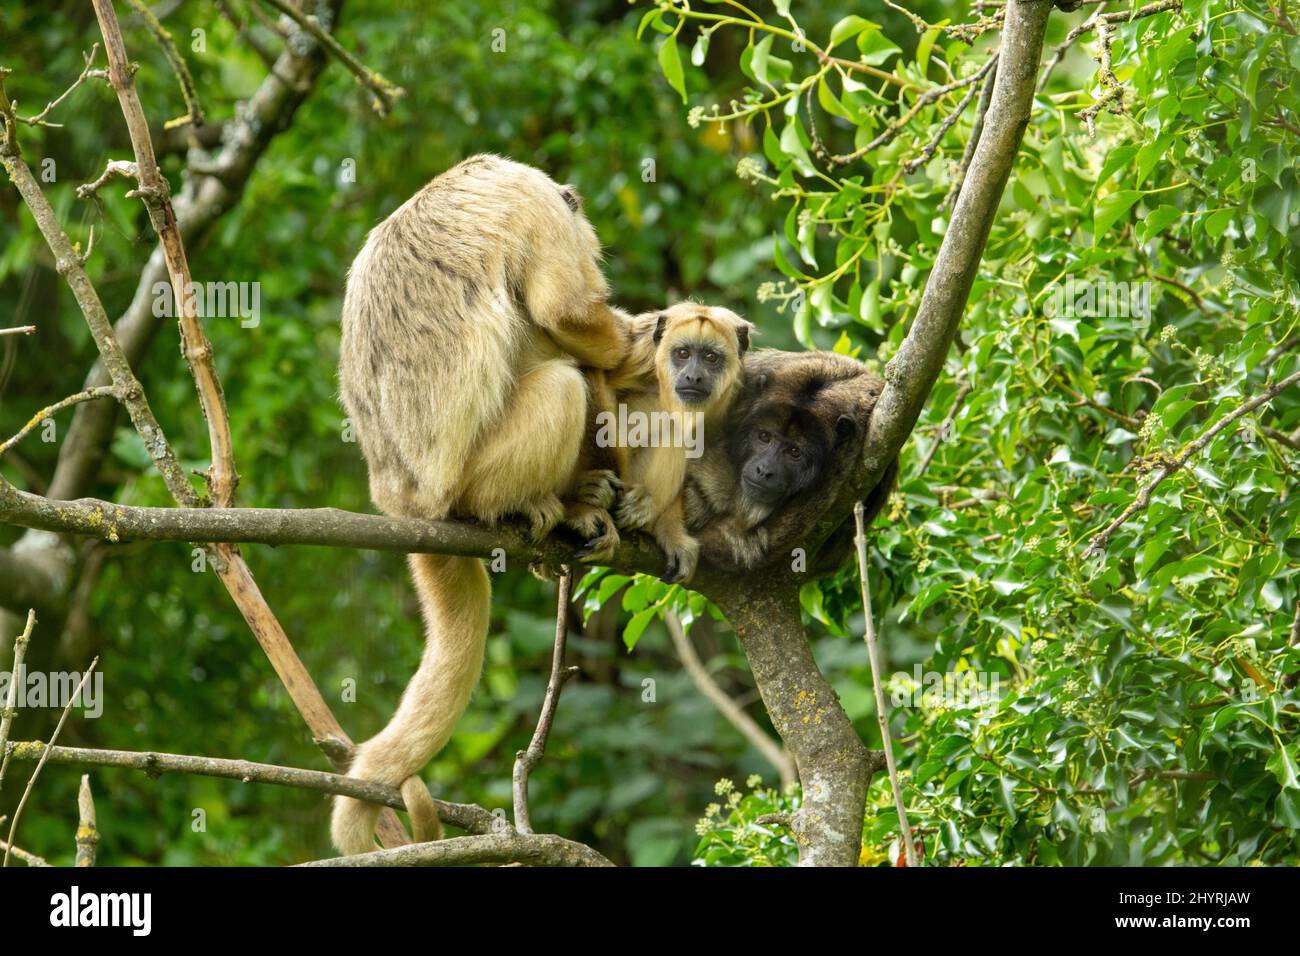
19,330
1290,680
776,755
962,391
88,72
1112,97
40,764
977,128
386,93
1059,53
882,714
194,110
31,859
929,96
87,395
15,678
526,760
87,831
1099,541
916,162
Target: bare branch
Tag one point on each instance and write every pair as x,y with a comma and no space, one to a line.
156,194
194,111
464,816
916,162
1099,541
776,755
877,684
926,98
976,129
88,395
70,266
944,428
531,849
40,764
526,760
19,330
87,73
385,93
87,831
329,527
11,705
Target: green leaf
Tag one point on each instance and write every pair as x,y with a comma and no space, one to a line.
671,63
848,27
876,48
1110,209
636,627
1283,765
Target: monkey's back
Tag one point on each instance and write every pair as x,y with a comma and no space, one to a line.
435,300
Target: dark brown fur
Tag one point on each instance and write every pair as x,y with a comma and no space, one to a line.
817,402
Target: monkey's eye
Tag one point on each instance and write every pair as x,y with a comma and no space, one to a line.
794,453
711,358
682,353
765,436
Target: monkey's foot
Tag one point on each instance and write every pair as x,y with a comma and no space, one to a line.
597,530
636,510
682,561
543,515
598,488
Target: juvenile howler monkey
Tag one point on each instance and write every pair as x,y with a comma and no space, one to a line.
683,368
793,413
467,315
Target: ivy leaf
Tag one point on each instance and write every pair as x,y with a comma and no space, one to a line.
1110,209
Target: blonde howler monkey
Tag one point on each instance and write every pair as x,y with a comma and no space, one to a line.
468,316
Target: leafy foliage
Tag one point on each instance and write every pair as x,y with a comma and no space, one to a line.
1139,285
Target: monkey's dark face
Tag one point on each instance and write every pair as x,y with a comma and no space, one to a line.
698,350
777,455
697,367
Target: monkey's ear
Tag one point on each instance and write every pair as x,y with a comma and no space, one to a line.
572,197
846,426
661,322
743,331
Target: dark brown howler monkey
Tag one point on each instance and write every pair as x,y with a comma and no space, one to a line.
795,414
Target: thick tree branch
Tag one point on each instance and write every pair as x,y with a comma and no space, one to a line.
911,374
527,848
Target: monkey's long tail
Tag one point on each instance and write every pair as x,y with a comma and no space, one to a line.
456,597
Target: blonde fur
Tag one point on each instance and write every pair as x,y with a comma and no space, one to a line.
467,314
645,381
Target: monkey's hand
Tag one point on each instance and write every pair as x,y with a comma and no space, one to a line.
597,529
730,545
543,515
683,557
636,511
598,488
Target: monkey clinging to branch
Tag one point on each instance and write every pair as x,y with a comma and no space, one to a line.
467,315
683,364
